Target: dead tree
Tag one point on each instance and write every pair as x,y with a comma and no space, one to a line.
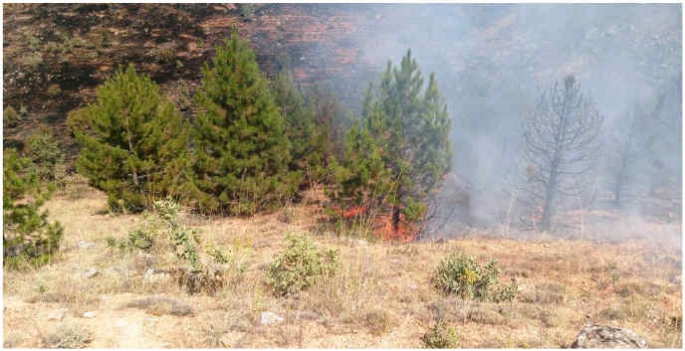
561,146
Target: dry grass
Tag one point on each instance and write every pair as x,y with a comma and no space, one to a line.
381,296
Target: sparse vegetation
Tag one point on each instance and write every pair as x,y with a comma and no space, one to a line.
441,336
10,117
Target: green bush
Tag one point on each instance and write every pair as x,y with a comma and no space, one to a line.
141,239
300,265
10,117
28,238
462,275
441,336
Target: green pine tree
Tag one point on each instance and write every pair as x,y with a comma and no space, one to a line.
399,151
307,137
240,146
44,151
133,142
28,238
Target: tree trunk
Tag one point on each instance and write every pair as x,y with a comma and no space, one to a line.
550,192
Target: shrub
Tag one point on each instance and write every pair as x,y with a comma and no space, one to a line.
69,337
54,90
300,265
462,275
10,117
441,336
141,239
34,60
28,237
378,322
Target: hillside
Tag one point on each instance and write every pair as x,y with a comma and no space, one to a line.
383,295
421,226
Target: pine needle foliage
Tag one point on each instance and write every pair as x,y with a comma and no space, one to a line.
240,146
133,142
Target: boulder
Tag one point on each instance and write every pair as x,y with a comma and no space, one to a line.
603,337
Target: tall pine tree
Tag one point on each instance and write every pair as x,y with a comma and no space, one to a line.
400,149
133,142
308,138
240,146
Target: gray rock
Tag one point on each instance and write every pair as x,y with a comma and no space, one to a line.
91,273
84,245
153,275
267,318
603,337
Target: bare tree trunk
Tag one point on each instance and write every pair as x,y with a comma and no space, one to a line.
550,191
396,211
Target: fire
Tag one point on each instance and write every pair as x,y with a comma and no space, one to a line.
382,226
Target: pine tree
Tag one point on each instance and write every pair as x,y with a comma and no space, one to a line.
241,150
307,137
133,142
28,238
399,151
44,151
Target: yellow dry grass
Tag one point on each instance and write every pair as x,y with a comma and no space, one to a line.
381,297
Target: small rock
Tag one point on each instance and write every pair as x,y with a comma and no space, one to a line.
153,275
89,314
91,273
267,318
56,315
603,337
84,245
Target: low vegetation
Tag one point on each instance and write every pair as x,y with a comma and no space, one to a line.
440,336
300,265
463,276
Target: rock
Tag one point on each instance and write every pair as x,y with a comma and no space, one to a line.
603,337
89,314
153,275
84,245
267,318
56,315
91,273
